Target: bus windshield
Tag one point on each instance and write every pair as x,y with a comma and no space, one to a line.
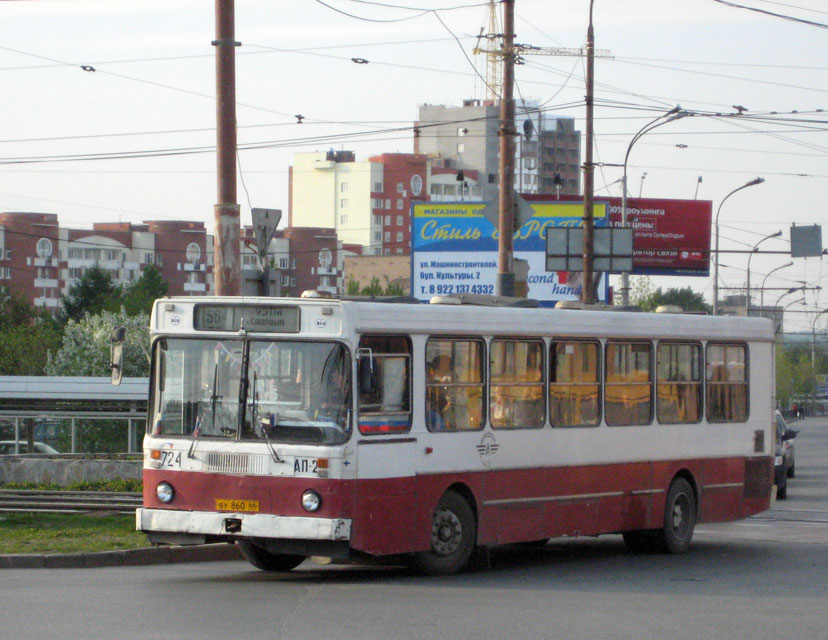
284,391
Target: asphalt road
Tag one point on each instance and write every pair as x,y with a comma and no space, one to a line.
763,578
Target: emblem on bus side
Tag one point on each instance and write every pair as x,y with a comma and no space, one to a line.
487,448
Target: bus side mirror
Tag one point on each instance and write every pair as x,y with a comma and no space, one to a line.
116,354
367,375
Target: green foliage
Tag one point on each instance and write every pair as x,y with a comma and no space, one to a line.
67,533
15,311
92,293
122,485
684,297
26,337
138,297
640,288
353,287
96,291
85,350
794,375
393,288
375,288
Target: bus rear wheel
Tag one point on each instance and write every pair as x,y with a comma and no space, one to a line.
453,537
679,518
263,559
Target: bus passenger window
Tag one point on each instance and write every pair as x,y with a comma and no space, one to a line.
454,384
628,391
727,386
385,407
574,387
679,386
516,384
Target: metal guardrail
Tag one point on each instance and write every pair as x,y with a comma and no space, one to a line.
33,501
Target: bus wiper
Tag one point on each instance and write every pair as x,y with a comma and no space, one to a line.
254,408
214,398
270,446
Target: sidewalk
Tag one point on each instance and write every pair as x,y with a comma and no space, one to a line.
126,558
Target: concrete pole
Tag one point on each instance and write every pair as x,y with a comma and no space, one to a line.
227,259
589,196
505,257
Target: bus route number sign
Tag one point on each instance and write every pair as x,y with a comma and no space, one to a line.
256,318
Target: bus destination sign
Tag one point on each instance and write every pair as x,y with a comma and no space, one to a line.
256,318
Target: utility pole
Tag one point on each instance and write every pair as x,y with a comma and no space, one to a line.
586,290
505,258
227,261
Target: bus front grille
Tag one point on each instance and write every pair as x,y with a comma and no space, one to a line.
239,463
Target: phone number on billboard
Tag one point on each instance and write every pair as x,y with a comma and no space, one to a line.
446,289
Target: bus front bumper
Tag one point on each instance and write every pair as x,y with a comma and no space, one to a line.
194,526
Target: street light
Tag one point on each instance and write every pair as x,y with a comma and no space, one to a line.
762,290
673,114
752,251
788,292
716,264
782,315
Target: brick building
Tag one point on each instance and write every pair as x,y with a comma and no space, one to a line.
41,260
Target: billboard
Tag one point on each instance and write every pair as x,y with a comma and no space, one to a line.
670,237
454,249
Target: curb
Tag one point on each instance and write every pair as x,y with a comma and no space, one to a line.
127,558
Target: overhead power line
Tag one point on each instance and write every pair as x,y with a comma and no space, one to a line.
773,14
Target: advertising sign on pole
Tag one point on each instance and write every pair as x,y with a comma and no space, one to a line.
670,237
454,250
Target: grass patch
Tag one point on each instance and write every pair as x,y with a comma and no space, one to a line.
130,485
67,533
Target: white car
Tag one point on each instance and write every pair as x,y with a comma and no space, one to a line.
7,447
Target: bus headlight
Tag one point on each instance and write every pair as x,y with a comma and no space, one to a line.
164,492
311,501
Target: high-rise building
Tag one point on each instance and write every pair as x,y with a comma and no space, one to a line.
548,148
462,138
333,190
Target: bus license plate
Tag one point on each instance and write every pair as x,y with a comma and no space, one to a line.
237,505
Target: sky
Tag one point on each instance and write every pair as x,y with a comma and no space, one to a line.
87,81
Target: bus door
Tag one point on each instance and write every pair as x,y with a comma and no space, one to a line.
386,452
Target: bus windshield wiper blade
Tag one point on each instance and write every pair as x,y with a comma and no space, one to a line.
273,452
214,398
254,409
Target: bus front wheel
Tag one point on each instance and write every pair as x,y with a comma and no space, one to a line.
263,559
453,537
679,518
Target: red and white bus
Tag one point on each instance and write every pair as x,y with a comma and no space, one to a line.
322,427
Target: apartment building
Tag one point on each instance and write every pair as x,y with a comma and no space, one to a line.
547,148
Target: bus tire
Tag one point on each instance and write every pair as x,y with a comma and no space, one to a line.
267,561
679,518
453,537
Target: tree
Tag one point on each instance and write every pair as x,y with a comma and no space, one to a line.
85,348
138,297
353,286
685,298
374,289
26,338
85,352
92,293
794,374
